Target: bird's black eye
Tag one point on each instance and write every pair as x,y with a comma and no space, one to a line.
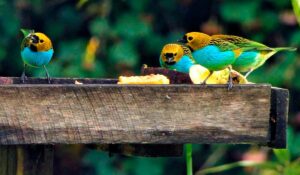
190,38
175,54
34,38
41,41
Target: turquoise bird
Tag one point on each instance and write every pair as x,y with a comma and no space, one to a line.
36,51
255,54
176,57
213,53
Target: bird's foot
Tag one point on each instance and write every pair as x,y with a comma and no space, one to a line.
23,77
49,80
230,84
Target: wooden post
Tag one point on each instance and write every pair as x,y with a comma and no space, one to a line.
24,159
278,117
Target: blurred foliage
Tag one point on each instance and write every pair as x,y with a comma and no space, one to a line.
107,38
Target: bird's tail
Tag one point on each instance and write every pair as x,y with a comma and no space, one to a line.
278,49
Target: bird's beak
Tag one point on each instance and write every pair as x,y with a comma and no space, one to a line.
170,59
33,39
182,40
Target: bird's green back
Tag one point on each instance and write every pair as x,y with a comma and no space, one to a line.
223,45
187,51
243,43
25,41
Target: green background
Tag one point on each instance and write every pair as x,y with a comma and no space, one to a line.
129,33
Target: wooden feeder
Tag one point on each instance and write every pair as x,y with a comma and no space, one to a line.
144,120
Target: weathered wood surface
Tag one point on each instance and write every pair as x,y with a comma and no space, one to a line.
278,117
26,160
109,113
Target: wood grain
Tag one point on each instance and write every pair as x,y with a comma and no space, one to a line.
108,113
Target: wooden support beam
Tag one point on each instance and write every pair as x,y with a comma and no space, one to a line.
147,114
278,117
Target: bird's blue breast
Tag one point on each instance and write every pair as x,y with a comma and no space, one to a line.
183,65
213,58
246,61
36,59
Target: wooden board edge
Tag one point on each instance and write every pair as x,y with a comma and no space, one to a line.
278,118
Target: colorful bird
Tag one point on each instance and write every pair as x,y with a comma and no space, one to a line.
254,55
199,73
176,57
36,51
213,53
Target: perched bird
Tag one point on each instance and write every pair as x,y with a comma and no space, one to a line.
254,55
36,51
176,57
199,73
213,53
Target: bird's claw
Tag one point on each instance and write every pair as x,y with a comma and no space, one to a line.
229,85
49,80
23,78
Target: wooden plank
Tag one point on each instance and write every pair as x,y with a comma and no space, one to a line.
278,117
161,150
17,80
110,114
26,160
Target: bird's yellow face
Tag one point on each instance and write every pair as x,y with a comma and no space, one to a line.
38,42
171,53
195,40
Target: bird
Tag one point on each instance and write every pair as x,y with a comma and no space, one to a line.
199,73
213,53
255,54
177,57
36,51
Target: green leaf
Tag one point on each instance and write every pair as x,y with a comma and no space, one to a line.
283,71
132,27
292,169
282,155
26,32
123,53
239,11
189,159
99,27
296,7
293,139
138,6
226,167
3,52
269,20
270,165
